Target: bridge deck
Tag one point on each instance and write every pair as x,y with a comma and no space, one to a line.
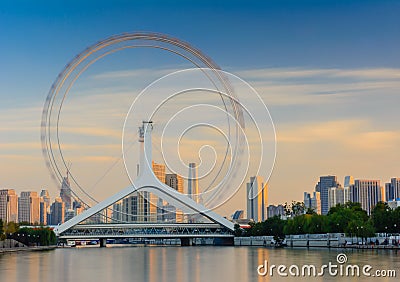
146,230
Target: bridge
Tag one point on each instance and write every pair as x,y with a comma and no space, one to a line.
185,232
219,227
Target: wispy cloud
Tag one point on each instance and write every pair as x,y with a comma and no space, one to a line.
289,73
138,73
354,134
299,86
90,131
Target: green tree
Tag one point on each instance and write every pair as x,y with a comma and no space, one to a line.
11,227
296,225
274,227
382,218
237,230
315,224
36,236
346,218
310,211
396,220
298,208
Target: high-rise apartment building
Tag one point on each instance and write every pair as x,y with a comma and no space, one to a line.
174,181
325,182
46,196
389,192
193,183
57,211
395,183
366,192
335,196
273,210
117,212
131,209
8,205
257,199
347,194
44,207
29,207
313,202
159,171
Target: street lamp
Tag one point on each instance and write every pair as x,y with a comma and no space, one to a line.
362,235
357,236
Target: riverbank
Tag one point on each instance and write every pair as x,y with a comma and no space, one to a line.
27,249
334,240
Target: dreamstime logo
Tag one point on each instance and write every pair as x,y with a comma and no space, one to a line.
332,269
201,115
209,117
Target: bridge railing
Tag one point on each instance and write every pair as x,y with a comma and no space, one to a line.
146,231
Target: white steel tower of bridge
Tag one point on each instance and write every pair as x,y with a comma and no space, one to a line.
147,181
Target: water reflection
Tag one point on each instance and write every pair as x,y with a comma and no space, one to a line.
180,264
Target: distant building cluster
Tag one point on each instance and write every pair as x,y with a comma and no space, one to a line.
257,199
147,207
33,208
368,192
328,193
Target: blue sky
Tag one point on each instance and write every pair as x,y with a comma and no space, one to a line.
328,70
39,37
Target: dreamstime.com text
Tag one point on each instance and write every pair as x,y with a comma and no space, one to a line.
341,268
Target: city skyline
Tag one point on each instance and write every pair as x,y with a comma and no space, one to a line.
367,192
333,101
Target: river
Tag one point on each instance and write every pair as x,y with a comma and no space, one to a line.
195,264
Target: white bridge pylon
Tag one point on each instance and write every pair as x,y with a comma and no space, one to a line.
148,182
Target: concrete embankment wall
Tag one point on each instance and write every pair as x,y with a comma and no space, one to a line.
303,240
330,240
10,243
254,241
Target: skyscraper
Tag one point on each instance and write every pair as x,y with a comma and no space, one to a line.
174,181
193,184
396,187
257,199
273,210
154,203
313,202
389,192
44,207
159,171
29,207
325,182
348,180
57,211
347,194
8,205
130,208
366,192
117,212
335,196
66,193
